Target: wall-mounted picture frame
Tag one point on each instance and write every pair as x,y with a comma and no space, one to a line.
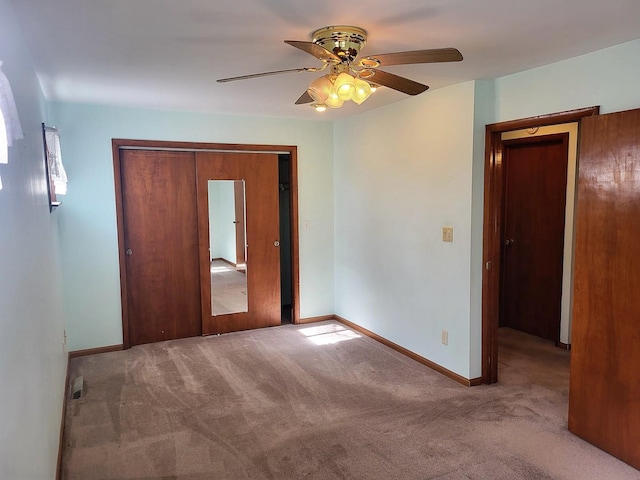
51,191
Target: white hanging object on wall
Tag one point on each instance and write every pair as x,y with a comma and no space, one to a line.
54,157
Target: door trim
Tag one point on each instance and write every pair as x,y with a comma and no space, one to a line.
118,144
492,226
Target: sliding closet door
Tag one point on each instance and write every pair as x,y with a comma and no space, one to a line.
236,295
160,239
604,396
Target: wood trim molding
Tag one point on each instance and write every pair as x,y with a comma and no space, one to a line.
96,351
414,356
194,146
228,262
321,318
563,346
63,419
543,120
492,226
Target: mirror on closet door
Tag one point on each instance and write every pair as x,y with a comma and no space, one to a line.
227,247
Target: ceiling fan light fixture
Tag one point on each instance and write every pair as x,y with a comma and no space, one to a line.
363,90
319,107
345,86
352,77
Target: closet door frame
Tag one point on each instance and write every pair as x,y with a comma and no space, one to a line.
118,144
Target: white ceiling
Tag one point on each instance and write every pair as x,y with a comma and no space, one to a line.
168,53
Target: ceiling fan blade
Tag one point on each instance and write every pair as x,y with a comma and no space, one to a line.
433,55
264,74
396,82
315,50
304,98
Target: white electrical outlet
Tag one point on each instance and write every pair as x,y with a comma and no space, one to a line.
445,337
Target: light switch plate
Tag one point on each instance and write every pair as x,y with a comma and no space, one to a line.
447,234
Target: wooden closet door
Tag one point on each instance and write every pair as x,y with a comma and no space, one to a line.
260,173
604,396
161,249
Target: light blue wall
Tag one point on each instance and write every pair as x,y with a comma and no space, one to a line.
608,78
222,214
402,173
214,193
32,351
88,220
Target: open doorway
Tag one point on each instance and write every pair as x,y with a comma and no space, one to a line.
286,275
507,292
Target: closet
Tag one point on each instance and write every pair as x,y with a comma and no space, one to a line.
199,230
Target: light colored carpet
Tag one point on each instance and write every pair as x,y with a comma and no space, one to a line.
228,289
321,401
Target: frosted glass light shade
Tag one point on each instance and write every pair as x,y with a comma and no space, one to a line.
345,86
334,101
320,89
362,92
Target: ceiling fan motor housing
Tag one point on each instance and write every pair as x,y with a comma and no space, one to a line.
343,40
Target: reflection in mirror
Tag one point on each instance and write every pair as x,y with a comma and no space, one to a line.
227,247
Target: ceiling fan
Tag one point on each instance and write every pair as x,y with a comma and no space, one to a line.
352,77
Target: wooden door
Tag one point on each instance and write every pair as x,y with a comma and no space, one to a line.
535,195
604,396
260,173
160,237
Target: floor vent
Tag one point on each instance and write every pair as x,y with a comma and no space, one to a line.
77,388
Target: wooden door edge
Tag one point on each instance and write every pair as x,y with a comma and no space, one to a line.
295,246
492,225
117,174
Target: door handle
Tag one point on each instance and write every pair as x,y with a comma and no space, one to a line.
129,252
509,241
276,243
